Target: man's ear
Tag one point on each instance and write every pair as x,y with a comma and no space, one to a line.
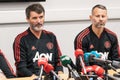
90,17
27,19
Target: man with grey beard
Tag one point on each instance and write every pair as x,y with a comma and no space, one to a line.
35,43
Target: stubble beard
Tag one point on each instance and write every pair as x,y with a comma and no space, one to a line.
100,25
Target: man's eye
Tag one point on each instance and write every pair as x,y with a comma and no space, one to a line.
41,17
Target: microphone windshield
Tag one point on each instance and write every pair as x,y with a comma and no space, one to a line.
65,60
99,70
96,54
87,56
78,52
42,61
48,68
88,69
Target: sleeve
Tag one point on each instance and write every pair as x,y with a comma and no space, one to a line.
58,64
5,67
20,58
77,43
80,44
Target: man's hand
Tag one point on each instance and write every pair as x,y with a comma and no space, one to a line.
2,76
60,72
33,76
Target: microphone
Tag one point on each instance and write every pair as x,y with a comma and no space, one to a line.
116,64
88,54
66,61
42,62
99,70
101,73
90,73
94,56
79,54
86,57
49,68
113,68
89,70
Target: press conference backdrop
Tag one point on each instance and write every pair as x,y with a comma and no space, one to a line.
66,18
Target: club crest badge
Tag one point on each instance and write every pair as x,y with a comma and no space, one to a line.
49,45
107,44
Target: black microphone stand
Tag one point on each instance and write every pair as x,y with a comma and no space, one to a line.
73,73
40,75
106,70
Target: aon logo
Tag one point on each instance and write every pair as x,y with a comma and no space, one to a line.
46,55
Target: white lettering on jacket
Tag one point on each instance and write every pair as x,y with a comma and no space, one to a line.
104,55
46,55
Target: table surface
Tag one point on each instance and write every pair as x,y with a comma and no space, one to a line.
63,76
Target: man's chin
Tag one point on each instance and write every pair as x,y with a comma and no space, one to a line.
100,26
38,29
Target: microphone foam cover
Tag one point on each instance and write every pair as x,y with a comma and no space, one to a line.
88,69
98,70
65,60
42,61
48,68
78,52
96,54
